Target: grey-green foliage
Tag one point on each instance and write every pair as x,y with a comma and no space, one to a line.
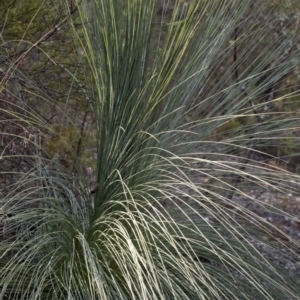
166,220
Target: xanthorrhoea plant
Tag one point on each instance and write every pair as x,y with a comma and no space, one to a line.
167,220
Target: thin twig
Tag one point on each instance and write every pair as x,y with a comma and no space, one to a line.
41,40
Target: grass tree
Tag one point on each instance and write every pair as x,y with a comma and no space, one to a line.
186,96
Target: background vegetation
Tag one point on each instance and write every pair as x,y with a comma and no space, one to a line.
149,150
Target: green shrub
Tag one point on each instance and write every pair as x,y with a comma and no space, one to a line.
170,217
